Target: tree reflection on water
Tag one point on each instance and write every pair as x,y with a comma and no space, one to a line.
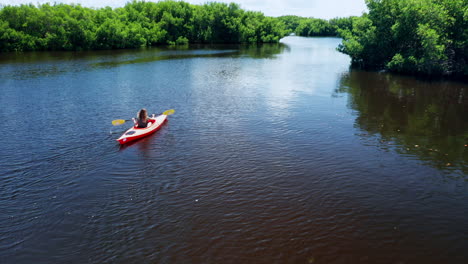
426,119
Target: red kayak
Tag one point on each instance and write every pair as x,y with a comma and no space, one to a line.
135,132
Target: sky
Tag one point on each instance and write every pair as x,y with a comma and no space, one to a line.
325,9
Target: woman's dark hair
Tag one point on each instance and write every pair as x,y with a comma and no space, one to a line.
142,115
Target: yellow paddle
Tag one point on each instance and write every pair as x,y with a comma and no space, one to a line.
119,122
168,112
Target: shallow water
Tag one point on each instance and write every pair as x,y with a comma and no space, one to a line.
276,154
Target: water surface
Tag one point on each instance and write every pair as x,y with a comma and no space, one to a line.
276,154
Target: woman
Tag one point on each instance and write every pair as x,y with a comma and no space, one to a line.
142,119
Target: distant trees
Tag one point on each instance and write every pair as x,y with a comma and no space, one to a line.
138,23
428,37
315,27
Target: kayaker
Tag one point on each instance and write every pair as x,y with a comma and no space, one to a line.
142,119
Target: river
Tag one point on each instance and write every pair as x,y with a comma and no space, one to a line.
275,154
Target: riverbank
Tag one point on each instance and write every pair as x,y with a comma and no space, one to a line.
425,38
137,24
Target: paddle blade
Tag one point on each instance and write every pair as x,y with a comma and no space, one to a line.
118,122
169,112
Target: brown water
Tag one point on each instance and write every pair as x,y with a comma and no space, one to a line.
276,154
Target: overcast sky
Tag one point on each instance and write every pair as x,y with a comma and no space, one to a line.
306,8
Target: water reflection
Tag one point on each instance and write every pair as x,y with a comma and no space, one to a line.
37,64
426,119
260,51
258,163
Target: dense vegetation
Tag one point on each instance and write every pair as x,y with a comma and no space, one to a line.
315,27
428,37
138,23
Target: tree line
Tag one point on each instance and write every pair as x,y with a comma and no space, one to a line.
138,23
427,37
316,27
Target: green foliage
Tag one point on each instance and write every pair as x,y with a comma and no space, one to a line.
360,42
427,37
182,41
315,27
342,23
291,22
138,23
309,27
